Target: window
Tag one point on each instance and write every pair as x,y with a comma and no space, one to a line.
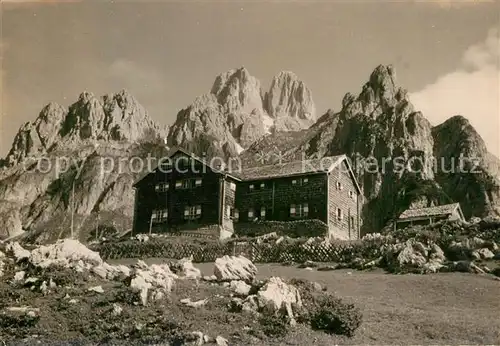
353,224
232,213
159,215
232,186
339,185
192,212
340,216
263,213
300,181
351,194
251,187
262,185
161,187
299,210
250,213
188,183
166,166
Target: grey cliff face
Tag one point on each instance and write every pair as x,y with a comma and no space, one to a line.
290,103
234,114
90,133
476,179
380,124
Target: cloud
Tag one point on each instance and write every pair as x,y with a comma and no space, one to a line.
473,90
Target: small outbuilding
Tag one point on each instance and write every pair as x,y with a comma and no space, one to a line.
429,215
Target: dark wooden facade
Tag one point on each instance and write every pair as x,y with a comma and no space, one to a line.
191,198
272,199
226,200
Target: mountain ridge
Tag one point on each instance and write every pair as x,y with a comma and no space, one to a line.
237,119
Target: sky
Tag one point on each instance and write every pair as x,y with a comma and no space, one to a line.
446,53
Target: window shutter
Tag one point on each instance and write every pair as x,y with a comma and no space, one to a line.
198,210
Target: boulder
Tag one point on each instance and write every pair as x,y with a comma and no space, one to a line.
117,310
196,304
17,251
156,277
110,272
240,287
413,254
67,253
97,289
465,267
19,276
483,253
228,268
276,295
187,269
220,341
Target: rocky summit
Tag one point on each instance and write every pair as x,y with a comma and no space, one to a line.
399,158
77,148
235,113
381,125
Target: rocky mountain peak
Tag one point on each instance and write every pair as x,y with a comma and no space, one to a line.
381,95
114,117
238,91
289,101
234,114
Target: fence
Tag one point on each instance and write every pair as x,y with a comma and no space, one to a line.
340,251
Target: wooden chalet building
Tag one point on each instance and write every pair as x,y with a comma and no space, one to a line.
198,196
429,215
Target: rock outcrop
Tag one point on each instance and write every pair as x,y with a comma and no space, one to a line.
88,147
234,114
393,149
467,171
289,102
229,268
114,117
